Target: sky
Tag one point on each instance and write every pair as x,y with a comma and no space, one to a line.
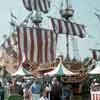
84,14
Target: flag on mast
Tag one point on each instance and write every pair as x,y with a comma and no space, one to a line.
96,54
12,15
38,5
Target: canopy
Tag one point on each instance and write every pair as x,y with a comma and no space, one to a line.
21,72
96,70
60,70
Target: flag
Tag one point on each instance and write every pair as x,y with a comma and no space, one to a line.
36,45
67,27
38,5
12,15
98,16
96,54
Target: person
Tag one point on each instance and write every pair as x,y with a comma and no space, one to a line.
67,91
1,91
55,93
12,87
19,89
44,97
93,85
27,93
36,90
47,88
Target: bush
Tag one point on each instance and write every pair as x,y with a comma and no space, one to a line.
15,97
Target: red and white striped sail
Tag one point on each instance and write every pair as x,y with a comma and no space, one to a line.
36,45
38,5
67,27
10,41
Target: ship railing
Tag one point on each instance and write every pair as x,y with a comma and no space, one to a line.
74,78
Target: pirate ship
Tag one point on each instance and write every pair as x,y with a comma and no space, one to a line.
37,45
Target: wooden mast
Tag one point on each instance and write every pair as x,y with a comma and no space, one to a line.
67,13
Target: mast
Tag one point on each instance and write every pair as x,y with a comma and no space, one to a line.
67,13
96,52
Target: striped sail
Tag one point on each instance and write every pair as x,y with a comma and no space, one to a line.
38,5
36,45
67,27
10,41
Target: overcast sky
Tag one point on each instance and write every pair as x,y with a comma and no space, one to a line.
84,14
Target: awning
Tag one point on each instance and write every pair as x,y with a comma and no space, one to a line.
60,70
21,72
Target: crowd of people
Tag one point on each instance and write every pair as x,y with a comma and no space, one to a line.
35,91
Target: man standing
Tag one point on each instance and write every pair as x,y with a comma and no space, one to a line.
36,90
55,93
1,92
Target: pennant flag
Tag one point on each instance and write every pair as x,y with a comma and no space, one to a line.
36,45
13,19
38,5
67,27
96,54
98,16
12,15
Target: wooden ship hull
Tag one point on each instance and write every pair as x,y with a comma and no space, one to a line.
77,81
